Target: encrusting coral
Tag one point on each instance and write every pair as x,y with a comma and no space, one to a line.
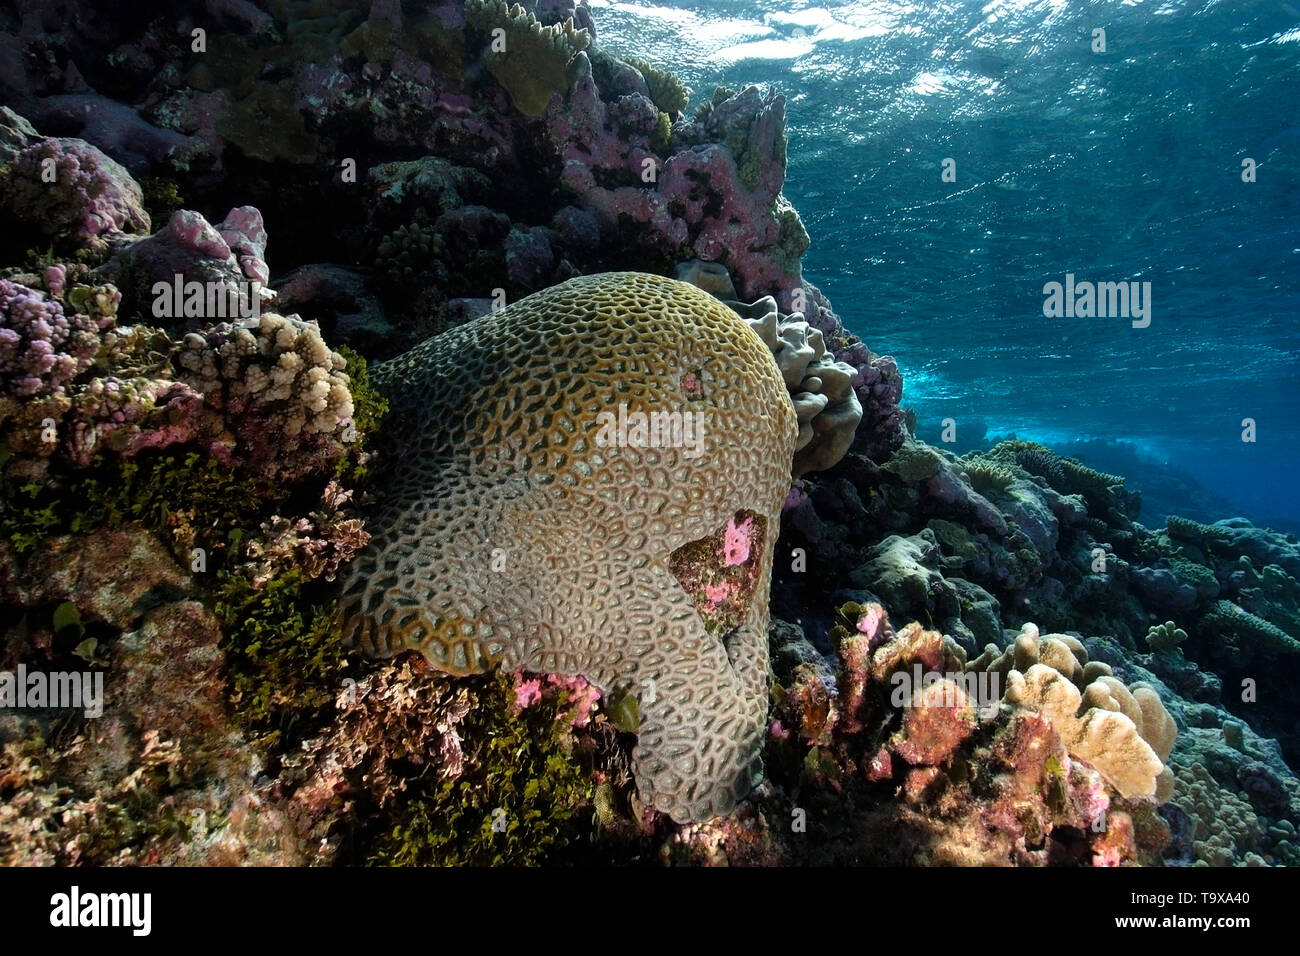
550,460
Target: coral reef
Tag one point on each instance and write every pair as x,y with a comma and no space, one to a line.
1105,737
667,92
191,270
827,400
1224,829
928,761
206,500
280,390
42,349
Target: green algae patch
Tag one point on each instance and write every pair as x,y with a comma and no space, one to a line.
284,658
521,796
192,500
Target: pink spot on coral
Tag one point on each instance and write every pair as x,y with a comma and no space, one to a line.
717,593
869,622
735,548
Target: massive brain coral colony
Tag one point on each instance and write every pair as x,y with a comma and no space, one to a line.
588,531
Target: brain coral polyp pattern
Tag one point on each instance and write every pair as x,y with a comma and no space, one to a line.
519,524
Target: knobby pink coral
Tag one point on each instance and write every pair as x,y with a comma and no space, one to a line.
42,348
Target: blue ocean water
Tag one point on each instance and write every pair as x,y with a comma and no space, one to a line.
1115,166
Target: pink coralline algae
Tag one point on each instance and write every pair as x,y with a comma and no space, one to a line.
743,233
873,623
718,593
795,497
937,721
580,696
736,545
244,233
879,386
73,193
720,572
42,348
527,691
855,661
128,416
1116,846
713,193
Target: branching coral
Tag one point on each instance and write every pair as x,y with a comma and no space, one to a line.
407,254
1224,617
1165,637
278,387
1105,495
42,347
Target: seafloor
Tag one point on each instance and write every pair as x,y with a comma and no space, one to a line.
278,467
